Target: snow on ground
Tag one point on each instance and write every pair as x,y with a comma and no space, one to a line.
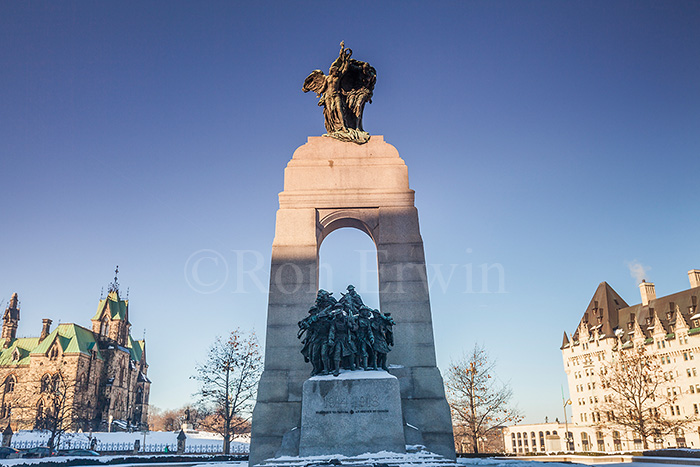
108,441
490,462
106,459
122,437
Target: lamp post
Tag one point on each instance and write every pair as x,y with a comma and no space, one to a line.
566,420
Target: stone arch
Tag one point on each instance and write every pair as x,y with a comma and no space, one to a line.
365,220
329,185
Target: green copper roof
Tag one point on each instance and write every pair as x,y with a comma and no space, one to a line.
117,307
24,346
136,349
72,339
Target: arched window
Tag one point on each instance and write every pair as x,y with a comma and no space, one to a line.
600,440
53,353
104,328
10,383
56,382
40,414
139,398
584,441
617,442
46,383
5,410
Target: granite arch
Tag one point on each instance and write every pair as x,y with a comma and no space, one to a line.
329,185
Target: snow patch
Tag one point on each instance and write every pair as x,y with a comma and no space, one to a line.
357,374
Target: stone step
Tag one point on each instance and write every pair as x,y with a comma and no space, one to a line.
392,459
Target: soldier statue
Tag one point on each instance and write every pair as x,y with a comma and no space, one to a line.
383,338
365,339
345,334
317,326
339,340
351,301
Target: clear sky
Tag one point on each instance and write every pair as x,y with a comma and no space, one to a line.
555,141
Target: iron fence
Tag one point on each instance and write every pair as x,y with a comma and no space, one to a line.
149,448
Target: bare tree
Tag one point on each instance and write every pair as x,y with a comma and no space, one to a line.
479,404
164,420
215,423
639,397
229,380
54,406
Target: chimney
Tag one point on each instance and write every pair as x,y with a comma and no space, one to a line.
694,276
648,292
45,329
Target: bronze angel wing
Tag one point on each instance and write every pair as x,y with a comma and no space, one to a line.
315,82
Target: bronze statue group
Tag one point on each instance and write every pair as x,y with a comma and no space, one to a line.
345,334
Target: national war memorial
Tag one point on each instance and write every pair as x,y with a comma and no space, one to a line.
348,178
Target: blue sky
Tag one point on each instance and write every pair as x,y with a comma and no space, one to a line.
555,140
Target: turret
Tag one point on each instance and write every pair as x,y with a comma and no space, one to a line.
10,321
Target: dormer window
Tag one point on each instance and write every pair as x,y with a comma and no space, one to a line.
16,355
53,353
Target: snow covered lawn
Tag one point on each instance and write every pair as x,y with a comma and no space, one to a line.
154,441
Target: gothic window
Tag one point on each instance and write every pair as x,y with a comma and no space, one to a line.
53,353
139,396
16,355
104,328
40,414
5,410
46,383
10,383
55,382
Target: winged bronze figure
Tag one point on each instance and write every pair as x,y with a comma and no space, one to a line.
343,94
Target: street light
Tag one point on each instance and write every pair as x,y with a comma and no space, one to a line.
566,420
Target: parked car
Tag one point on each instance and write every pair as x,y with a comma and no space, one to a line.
9,453
39,451
81,453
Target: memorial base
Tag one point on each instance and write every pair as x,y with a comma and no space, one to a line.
355,413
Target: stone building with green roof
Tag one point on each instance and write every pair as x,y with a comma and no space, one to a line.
73,377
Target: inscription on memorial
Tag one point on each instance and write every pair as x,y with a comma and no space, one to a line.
355,413
351,405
